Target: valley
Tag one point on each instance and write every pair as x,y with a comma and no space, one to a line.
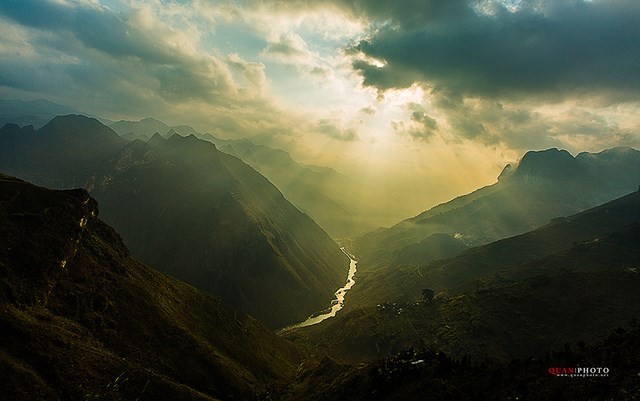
238,283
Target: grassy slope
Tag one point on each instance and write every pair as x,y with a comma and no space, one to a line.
565,282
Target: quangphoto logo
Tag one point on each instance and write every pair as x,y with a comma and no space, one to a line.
579,371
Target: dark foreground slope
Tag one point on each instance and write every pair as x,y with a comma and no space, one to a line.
192,211
80,319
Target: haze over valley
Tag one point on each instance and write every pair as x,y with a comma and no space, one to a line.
332,200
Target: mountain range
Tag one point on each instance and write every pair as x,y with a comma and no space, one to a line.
544,185
318,191
145,128
190,210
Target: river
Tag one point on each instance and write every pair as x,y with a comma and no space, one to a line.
337,303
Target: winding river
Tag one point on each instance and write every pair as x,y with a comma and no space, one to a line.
337,303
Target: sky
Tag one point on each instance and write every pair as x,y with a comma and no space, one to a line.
418,100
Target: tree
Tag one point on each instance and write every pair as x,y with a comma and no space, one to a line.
427,294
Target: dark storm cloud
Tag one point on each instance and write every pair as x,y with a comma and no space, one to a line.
543,47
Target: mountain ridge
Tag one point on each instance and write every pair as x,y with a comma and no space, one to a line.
313,189
545,185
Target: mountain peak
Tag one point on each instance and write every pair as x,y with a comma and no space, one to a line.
546,154
620,151
156,137
151,120
10,128
75,119
506,172
75,127
549,164
170,133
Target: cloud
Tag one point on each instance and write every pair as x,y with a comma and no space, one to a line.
331,129
576,124
424,120
408,13
142,60
370,111
549,48
96,27
420,126
521,74
288,47
252,72
321,72
404,12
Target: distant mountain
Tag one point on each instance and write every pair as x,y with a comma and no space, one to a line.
462,272
192,211
144,129
544,185
319,191
550,165
80,319
615,169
